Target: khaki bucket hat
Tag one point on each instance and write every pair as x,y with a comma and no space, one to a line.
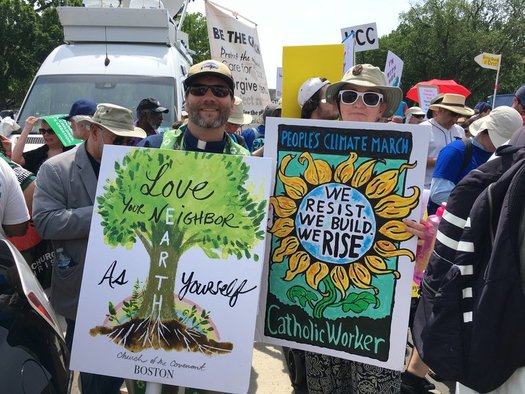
116,119
454,103
238,116
368,76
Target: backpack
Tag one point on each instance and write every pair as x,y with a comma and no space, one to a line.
470,323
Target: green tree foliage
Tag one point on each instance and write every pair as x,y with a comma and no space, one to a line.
440,38
195,25
136,205
30,29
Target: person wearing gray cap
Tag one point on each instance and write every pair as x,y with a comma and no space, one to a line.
62,211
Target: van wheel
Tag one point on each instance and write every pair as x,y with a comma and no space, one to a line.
296,366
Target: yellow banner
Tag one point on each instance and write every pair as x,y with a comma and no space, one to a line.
303,62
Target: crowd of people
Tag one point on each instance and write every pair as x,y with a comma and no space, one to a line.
66,176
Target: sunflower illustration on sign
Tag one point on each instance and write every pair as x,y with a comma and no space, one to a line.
337,229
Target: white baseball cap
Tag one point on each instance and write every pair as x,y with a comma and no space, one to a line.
501,123
309,88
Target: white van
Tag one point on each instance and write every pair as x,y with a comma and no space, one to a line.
116,55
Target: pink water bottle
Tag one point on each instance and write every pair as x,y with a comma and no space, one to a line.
424,252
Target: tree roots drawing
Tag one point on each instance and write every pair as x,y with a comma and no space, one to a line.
140,334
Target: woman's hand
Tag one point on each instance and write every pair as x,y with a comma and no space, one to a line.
418,229
29,124
18,151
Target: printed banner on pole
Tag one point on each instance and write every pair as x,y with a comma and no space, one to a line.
172,276
234,41
340,259
488,60
425,94
62,129
393,69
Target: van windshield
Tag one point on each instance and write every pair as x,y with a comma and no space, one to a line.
54,94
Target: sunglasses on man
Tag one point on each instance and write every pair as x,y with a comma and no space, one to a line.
370,99
217,90
46,131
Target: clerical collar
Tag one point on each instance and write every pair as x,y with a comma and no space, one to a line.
195,145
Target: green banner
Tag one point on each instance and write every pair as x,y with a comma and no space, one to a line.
62,129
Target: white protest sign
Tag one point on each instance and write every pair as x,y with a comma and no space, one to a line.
393,69
365,36
234,41
279,83
348,43
339,269
426,93
170,287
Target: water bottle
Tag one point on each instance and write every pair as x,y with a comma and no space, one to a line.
424,252
61,259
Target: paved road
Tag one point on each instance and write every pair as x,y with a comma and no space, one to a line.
269,373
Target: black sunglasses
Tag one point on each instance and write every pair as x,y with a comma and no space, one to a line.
371,99
217,90
419,116
44,131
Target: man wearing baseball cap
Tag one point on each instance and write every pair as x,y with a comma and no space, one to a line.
312,100
62,210
81,109
518,102
209,100
149,115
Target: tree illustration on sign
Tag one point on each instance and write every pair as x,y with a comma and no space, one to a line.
172,202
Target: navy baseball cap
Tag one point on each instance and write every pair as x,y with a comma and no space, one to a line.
82,107
520,94
482,107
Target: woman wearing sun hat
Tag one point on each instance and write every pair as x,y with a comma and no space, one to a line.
362,95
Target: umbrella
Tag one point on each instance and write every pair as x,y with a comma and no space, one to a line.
444,86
